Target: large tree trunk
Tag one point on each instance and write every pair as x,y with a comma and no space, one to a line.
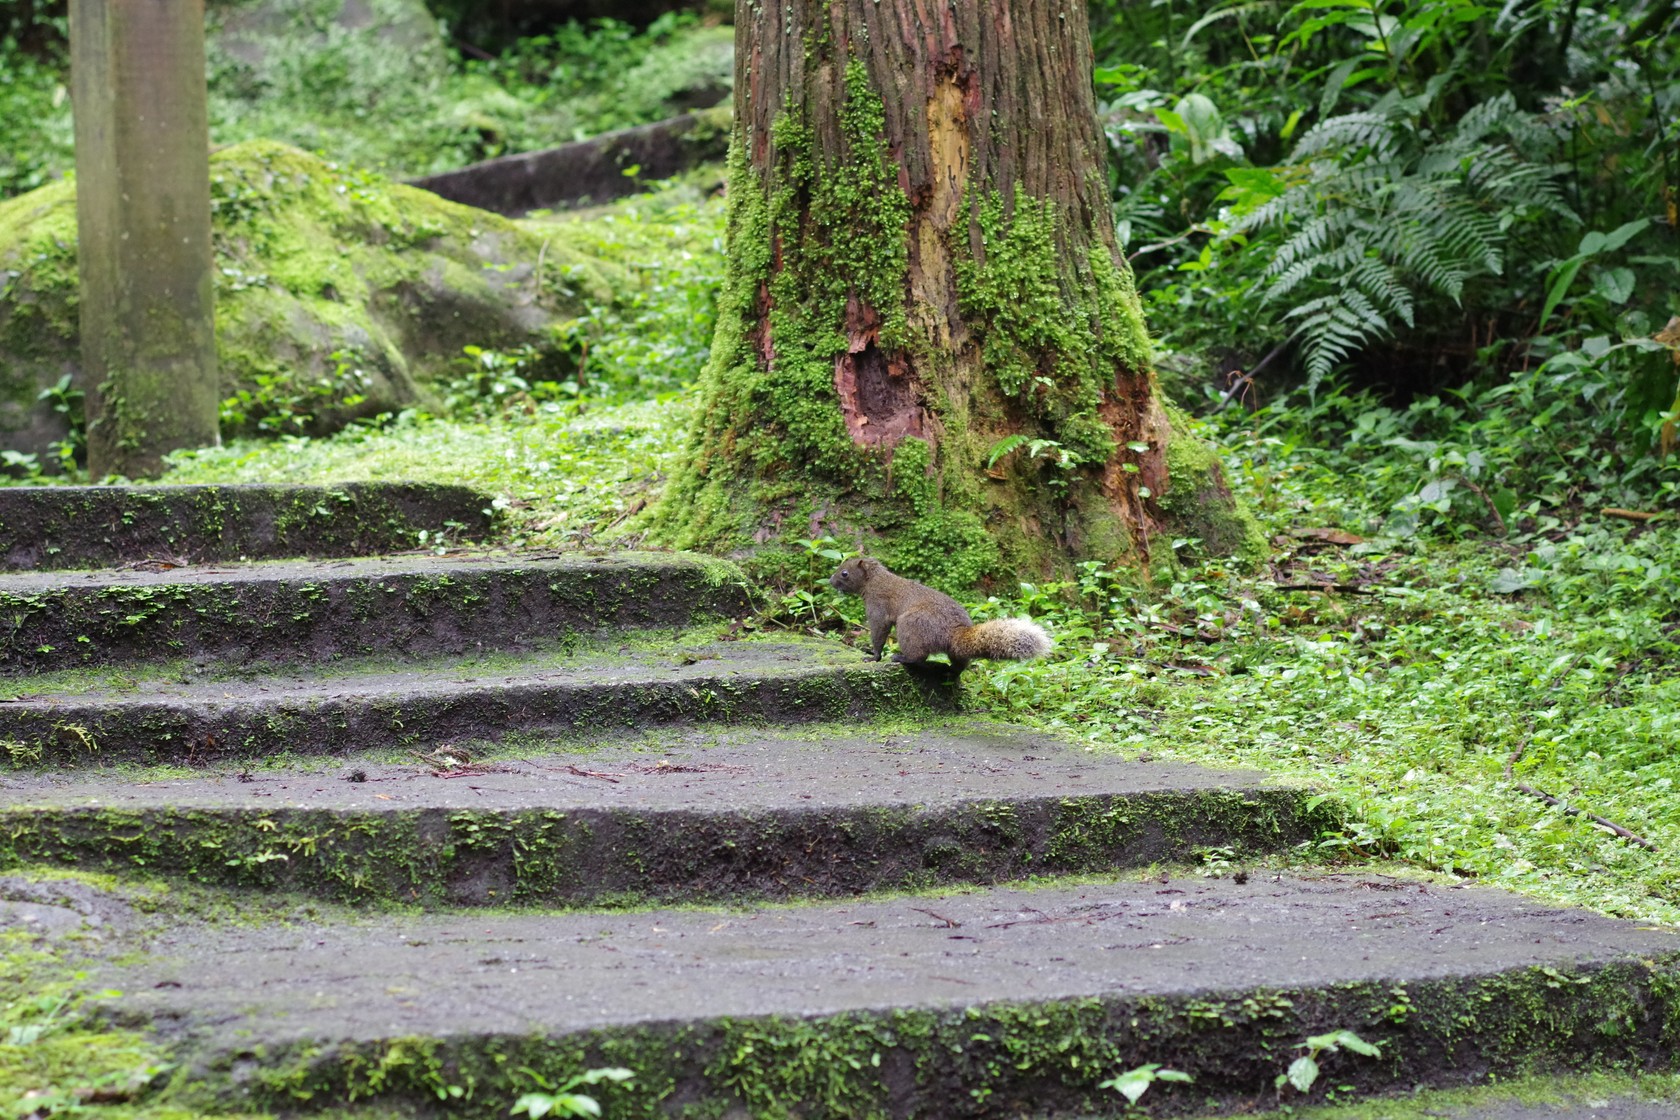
921,265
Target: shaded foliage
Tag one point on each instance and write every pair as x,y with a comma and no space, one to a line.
1426,194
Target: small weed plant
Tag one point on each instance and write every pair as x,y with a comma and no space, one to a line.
564,1099
1134,1083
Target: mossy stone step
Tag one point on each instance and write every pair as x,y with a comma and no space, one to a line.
704,814
295,611
98,526
198,720
996,1002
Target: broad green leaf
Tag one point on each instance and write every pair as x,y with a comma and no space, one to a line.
534,1105
1172,121
1133,1083
1622,234
1615,284
1564,277
1303,1071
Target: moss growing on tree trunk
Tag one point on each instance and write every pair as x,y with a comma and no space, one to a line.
928,345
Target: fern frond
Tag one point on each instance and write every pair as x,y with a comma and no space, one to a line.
1471,235
1348,132
1331,328
1380,282
1311,239
1496,114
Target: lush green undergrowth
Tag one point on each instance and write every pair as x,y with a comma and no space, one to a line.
563,474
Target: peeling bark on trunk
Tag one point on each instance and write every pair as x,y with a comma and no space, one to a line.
923,279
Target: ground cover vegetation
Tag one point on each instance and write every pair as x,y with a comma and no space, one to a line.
1426,249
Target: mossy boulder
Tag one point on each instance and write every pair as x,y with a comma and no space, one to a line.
339,294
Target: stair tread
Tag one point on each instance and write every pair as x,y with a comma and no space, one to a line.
710,770
304,611
362,568
160,714
552,974
595,662
70,527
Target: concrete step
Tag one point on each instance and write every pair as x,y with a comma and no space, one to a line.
98,526
985,1002
59,721
319,611
702,814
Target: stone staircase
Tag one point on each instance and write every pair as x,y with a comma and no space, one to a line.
453,828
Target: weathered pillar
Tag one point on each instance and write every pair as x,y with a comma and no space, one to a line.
143,220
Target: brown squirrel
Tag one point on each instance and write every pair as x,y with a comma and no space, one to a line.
931,622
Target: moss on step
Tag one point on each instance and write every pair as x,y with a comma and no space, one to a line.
1008,1059
622,856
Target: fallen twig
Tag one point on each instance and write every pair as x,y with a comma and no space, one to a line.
1498,519
155,564
1569,810
466,771
665,767
950,923
1631,514
1247,379
582,773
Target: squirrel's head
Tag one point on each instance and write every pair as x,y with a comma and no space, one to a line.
854,573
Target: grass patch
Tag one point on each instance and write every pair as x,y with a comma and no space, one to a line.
563,476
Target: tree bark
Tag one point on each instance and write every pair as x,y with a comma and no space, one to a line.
928,344
143,231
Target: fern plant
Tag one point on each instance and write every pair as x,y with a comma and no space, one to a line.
1374,211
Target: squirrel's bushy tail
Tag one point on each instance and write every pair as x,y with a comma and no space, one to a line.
1007,639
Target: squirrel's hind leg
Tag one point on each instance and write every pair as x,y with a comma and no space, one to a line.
914,631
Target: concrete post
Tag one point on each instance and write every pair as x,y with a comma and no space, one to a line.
143,220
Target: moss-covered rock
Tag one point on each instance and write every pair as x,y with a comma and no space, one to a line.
338,293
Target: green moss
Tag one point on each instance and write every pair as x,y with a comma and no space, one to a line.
769,443
1054,342
1002,1058
1198,500
933,539
338,293
38,310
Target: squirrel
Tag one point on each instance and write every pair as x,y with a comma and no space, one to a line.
932,622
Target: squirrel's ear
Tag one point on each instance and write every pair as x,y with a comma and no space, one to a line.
868,562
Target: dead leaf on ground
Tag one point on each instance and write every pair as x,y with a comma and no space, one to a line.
1328,536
